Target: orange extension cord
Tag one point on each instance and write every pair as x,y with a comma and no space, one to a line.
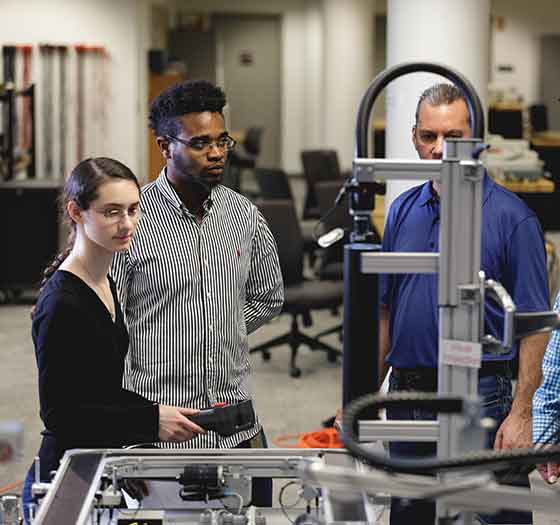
325,438
10,487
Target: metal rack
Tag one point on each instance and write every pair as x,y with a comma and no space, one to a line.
8,161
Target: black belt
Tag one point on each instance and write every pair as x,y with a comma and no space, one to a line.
425,379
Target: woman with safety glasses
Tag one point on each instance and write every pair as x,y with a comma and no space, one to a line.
79,332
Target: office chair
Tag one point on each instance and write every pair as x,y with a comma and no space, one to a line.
273,183
318,165
237,161
301,296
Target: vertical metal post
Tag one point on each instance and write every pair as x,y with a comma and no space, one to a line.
11,130
460,244
361,326
62,101
32,168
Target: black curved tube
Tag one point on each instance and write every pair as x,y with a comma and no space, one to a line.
484,459
380,81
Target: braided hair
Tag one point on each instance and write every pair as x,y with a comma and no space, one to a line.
82,187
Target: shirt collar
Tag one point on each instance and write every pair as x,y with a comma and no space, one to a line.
428,195
167,190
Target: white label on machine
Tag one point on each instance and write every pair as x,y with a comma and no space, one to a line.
461,353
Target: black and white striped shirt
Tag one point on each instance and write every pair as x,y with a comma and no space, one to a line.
191,293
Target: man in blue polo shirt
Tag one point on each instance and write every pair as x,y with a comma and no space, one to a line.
512,253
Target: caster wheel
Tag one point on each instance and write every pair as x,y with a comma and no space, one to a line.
295,372
266,355
331,357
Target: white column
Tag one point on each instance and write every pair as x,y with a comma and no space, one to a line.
293,89
313,74
348,69
451,32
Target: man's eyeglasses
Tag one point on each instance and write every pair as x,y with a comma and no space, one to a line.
116,215
224,143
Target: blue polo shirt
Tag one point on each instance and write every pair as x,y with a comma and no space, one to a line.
513,254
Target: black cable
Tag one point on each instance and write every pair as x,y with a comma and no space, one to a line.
330,211
239,499
489,460
474,105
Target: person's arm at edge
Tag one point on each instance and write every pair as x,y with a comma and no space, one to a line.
515,431
526,262
546,404
265,288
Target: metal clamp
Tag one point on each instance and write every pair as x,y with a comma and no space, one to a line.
499,293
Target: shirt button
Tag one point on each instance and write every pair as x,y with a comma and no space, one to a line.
208,294
206,262
211,360
210,327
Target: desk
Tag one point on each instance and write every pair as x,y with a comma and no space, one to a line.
541,185
546,138
547,145
541,196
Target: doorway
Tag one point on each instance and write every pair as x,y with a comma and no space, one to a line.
248,66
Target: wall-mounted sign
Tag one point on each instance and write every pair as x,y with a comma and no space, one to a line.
246,58
506,68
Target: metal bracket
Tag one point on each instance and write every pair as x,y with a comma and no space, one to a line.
469,293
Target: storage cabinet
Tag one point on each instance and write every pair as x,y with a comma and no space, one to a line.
29,226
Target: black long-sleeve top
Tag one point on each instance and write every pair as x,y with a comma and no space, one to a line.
80,355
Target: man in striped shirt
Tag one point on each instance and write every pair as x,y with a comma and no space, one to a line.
202,271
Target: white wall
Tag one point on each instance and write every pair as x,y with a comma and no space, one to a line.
348,69
119,26
123,26
429,40
301,66
518,43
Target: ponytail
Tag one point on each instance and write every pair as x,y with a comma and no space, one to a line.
55,264
58,260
